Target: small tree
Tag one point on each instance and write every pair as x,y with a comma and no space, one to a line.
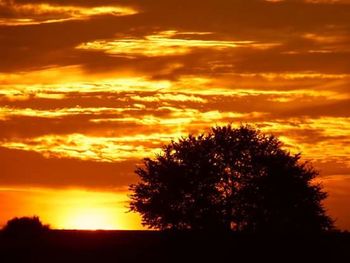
28,226
229,179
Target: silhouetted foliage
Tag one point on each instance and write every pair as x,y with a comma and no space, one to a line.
229,179
25,226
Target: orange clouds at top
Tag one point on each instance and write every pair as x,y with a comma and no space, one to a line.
89,88
39,13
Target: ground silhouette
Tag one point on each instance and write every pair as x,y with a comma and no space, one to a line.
230,179
171,246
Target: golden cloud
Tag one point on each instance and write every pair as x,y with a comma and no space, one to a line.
165,43
41,13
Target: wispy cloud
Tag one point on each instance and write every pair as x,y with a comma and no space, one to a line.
41,13
166,43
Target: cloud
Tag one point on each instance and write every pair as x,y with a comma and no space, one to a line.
36,170
166,43
16,13
234,23
84,147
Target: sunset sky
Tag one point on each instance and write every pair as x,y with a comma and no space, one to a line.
89,88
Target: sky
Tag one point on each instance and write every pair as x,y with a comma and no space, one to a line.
89,88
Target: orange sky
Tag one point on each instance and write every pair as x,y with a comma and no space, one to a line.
89,88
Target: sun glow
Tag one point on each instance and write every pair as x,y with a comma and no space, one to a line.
94,211
90,218
70,208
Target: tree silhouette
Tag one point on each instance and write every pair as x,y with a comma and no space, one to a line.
229,179
25,226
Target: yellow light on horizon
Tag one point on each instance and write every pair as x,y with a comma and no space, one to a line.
70,208
87,210
88,218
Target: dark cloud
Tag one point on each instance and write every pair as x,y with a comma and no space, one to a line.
93,3
338,108
29,127
22,168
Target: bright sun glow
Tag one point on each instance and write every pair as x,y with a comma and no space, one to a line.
93,211
91,218
70,208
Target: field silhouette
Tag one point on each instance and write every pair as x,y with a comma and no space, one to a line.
168,246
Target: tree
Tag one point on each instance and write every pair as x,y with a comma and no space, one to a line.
27,226
229,179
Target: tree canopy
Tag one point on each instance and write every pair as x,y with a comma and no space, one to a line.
229,179
25,226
